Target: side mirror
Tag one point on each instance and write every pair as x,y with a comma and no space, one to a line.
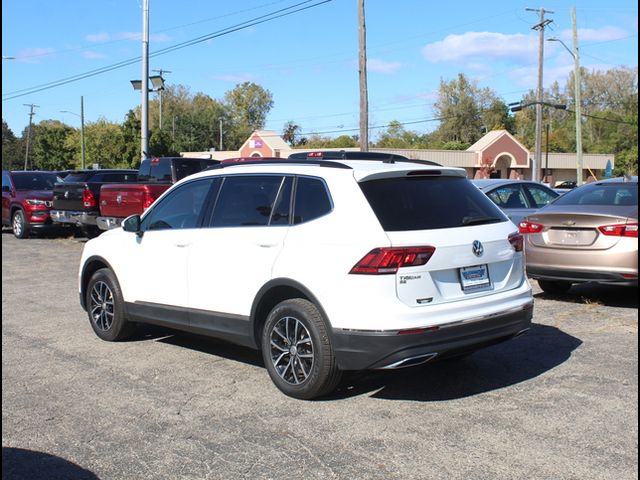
6,188
132,224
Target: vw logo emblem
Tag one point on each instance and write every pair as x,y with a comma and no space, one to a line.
477,248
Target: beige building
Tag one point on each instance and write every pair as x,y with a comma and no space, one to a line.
498,154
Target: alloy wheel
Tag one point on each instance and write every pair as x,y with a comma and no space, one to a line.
102,306
291,350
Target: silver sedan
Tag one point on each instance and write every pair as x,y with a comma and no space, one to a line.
516,198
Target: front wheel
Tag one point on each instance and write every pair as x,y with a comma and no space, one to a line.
297,351
554,287
19,225
105,307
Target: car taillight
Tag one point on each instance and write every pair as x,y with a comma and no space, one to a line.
628,230
380,261
147,200
517,241
88,198
529,227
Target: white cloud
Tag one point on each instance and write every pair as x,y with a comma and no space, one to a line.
33,55
482,47
603,34
380,66
98,37
93,55
102,37
235,77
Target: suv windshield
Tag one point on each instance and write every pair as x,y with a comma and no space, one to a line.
429,202
35,181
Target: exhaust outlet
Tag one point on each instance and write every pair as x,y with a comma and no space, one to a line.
410,361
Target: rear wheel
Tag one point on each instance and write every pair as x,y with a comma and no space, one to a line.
19,224
297,351
90,231
105,307
555,287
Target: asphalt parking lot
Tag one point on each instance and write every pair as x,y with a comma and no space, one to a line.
558,403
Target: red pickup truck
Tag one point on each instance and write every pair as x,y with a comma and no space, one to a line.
118,201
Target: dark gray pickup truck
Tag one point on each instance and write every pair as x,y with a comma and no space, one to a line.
76,200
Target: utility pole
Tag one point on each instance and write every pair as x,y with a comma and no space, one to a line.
364,102
31,114
160,90
83,149
144,121
577,85
220,135
535,174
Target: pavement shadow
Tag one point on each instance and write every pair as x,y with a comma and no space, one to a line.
20,464
518,360
213,346
598,294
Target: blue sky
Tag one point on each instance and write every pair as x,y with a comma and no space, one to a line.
308,60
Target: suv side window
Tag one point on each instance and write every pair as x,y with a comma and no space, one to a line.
180,209
246,200
311,200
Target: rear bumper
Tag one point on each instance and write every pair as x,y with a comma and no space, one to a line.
73,217
581,276
358,350
107,223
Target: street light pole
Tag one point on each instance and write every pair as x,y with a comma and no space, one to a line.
577,89
82,144
144,121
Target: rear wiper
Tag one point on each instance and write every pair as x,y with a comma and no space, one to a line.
480,220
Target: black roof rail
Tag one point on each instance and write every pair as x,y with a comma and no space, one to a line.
284,161
358,155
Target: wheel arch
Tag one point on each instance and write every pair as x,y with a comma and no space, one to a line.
271,294
91,266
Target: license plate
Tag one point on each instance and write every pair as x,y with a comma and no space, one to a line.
475,277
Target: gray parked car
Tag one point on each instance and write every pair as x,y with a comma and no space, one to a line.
516,198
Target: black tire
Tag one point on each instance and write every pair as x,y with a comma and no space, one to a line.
554,287
105,307
19,224
303,365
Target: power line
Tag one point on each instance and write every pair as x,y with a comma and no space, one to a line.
240,26
604,119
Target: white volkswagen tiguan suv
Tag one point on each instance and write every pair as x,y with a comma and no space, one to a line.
323,265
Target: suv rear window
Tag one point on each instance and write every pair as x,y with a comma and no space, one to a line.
601,194
429,202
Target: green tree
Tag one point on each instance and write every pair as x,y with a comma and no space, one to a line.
248,105
105,145
131,140
12,149
50,149
290,131
464,109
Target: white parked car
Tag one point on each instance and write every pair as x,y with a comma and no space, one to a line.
323,265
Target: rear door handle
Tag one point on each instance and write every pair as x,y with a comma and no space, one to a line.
267,245
182,245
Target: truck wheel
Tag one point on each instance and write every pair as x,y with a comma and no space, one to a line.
91,231
19,224
105,307
296,348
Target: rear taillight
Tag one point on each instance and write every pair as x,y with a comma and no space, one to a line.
530,227
380,261
88,198
147,200
628,230
517,241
